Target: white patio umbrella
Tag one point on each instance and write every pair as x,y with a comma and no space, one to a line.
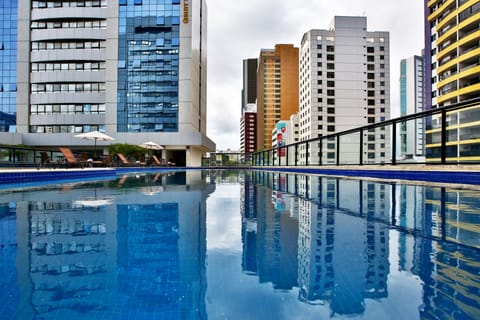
94,135
92,202
151,145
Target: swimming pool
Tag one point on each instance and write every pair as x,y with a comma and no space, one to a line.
240,245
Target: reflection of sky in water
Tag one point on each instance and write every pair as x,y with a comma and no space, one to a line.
250,247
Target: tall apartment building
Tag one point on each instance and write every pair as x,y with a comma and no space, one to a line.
344,84
249,90
134,68
277,90
248,120
411,140
8,64
248,129
453,75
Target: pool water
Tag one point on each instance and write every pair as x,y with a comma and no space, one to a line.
240,245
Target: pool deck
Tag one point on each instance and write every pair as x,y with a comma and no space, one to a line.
458,174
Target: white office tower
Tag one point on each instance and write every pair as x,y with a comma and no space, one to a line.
344,84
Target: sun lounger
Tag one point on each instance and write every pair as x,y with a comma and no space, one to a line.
125,163
70,159
45,161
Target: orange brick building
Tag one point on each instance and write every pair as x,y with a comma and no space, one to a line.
277,90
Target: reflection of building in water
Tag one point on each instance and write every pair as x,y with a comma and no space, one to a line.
162,250
73,263
248,210
343,257
410,215
66,255
460,211
449,269
275,236
8,253
342,238
276,243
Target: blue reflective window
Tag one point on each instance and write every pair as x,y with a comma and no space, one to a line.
8,59
148,73
137,2
122,2
175,1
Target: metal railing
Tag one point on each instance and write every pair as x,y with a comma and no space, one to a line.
18,156
447,135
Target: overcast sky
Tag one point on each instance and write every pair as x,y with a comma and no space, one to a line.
238,30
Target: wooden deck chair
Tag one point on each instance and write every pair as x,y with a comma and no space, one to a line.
70,159
124,161
45,161
156,161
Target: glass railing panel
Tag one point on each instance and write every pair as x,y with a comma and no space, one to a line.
376,145
329,151
433,138
291,155
468,135
302,154
349,148
314,148
410,141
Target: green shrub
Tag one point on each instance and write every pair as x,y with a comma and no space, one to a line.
128,150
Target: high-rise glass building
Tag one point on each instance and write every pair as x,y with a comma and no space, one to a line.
412,100
8,64
453,75
135,69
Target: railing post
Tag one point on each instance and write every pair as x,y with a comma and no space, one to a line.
306,154
320,152
360,158
443,150
286,156
296,154
338,149
394,143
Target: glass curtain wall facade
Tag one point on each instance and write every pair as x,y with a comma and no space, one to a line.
411,139
148,54
8,64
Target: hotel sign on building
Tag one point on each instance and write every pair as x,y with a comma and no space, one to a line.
186,9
